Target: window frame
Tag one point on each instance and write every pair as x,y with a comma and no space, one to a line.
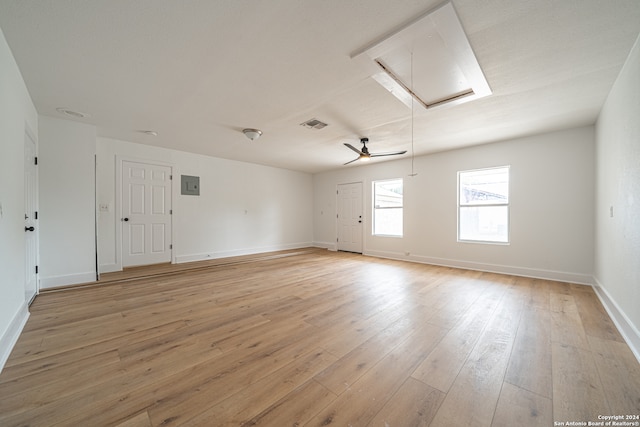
374,208
506,204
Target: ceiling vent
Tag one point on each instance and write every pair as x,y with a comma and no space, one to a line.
314,124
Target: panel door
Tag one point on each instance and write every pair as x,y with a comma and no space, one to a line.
30,218
350,217
146,214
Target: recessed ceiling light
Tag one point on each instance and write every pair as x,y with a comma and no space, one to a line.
149,132
72,113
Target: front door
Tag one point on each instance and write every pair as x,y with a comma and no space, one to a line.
350,217
30,218
146,214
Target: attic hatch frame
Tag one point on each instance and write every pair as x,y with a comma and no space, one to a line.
448,39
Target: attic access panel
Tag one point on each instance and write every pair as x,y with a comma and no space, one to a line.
429,61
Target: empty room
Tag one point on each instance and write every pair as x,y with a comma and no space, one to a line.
296,213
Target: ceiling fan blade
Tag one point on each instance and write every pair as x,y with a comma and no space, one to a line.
353,148
356,159
395,153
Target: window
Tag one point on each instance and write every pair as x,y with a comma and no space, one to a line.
483,205
387,208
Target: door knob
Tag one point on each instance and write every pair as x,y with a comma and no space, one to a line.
125,219
360,221
29,228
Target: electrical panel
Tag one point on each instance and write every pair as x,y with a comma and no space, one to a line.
190,185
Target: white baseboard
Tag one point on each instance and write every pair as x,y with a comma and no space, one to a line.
10,337
560,276
326,245
626,328
239,252
109,268
67,279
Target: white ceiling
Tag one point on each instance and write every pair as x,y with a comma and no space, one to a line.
198,72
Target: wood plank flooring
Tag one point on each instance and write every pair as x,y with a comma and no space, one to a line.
316,338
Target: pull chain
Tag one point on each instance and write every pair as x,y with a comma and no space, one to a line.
412,132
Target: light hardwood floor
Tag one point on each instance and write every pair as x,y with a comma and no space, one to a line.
316,338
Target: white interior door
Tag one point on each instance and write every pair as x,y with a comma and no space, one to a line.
350,217
146,214
30,218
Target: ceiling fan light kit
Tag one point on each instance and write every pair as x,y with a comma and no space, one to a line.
252,134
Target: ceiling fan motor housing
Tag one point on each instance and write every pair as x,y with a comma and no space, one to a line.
364,150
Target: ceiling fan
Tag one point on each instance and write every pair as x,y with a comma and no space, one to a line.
364,154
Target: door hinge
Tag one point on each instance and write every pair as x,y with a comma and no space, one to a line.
170,246
35,160
170,211
170,177
337,239
337,191
36,269
337,216
36,214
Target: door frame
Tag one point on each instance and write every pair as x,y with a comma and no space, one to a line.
30,134
364,216
118,203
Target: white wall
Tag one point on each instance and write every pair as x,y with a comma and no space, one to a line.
67,202
552,198
617,256
242,208
17,112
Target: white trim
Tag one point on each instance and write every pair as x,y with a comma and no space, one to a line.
118,211
10,337
238,252
626,328
67,279
559,276
326,245
109,268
